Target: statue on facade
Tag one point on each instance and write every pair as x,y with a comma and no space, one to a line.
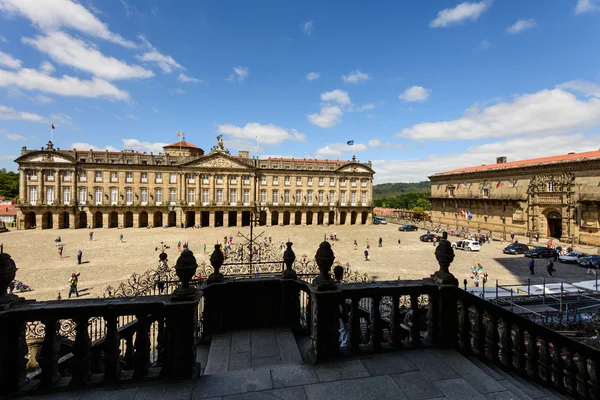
220,142
219,148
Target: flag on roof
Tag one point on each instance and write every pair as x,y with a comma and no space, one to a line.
500,184
179,133
350,142
52,126
440,185
460,184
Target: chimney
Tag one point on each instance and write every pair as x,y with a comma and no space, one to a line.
500,160
244,154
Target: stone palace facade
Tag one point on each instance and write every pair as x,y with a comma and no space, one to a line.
185,187
556,197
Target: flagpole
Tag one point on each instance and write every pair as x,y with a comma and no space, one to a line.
180,138
50,132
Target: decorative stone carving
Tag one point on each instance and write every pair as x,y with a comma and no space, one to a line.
561,182
219,146
218,162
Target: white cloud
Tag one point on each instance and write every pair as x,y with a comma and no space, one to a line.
586,6
47,68
130,116
267,134
78,54
338,149
154,109
337,95
328,117
178,91
31,79
415,93
379,143
461,13
166,63
521,25
137,145
414,170
15,136
312,76
184,78
240,73
308,27
355,77
42,99
51,15
547,112
87,146
3,39
364,107
485,44
60,119
9,61
589,89
7,113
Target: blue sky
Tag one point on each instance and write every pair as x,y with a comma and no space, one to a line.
421,87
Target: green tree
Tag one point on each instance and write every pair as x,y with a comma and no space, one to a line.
9,184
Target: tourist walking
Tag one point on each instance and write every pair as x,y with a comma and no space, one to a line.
398,243
537,236
79,256
204,248
355,244
60,251
179,246
434,241
91,235
512,237
532,266
591,267
380,242
121,237
550,267
73,284
367,258
57,241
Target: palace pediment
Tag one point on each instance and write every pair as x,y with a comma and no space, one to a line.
217,161
355,168
45,157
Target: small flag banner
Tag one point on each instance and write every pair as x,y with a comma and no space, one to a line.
469,215
52,126
460,184
179,133
440,185
470,185
500,184
350,142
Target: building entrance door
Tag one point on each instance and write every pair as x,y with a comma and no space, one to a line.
554,225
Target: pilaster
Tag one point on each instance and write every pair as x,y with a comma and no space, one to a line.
105,219
303,218
225,218
211,218
239,218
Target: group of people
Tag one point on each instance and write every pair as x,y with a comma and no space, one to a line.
549,266
478,275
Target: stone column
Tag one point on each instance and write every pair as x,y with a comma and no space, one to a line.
23,186
269,217
121,219
136,219
104,220
165,219
55,219
370,218
239,218
58,200
41,194
211,218
38,220
73,220
303,218
225,218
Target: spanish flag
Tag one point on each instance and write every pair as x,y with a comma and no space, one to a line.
179,133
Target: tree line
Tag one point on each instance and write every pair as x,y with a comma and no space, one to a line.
9,184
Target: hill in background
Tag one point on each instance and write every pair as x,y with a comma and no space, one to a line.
395,189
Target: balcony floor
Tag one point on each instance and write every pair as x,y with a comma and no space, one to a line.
414,375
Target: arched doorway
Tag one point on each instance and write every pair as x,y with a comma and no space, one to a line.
30,220
353,218
47,220
364,217
331,218
320,218
97,219
113,219
172,218
286,217
262,219
63,221
298,218
309,217
128,219
274,218
554,224
158,222
143,221
82,219
343,218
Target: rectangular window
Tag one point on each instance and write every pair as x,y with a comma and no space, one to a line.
321,197
129,196
82,196
205,196
363,182
298,181
232,196
286,181
353,197
353,182
191,196
263,196
451,192
219,195
158,197
129,177
286,197
31,176
331,197
310,197
486,193
173,178
191,178
342,181
50,175
233,179
331,181
114,196
246,179
66,195
144,196
263,180
66,176
158,177
219,179
173,196
275,196
49,195
363,199
98,196
275,180
205,179
298,197
98,176
343,198
144,177
321,181
33,195
246,196
114,176
310,179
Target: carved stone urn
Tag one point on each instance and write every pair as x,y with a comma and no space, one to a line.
185,268
288,259
8,271
216,260
445,255
324,258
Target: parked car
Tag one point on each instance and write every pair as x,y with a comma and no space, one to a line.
379,220
408,227
469,245
428,237
585,261
515,248
572,257
539,252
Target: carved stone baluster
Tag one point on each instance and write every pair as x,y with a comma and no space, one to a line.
81,365
570,373
128,357
111,349
478,334
160,341
464,328
395,336
558,367
594,373
415,328
519,350
48,355
506,345
355,325
376,328
582,377
433,319
491,339
141,360
545,361
532,356
308,312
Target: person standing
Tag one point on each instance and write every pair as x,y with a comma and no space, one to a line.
91,236
79,256
380,242
367,255
121,237
591,267
434,241
537,236
179,246
60,251
73,284
398,243
204,247
355,244
550,267
512,236
531,266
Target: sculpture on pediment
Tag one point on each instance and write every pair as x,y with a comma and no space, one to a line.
219,146
48,158
561,182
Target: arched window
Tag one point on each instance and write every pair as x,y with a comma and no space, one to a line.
550,186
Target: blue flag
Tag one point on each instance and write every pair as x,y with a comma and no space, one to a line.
350,142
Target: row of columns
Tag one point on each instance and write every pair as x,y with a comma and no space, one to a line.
42,184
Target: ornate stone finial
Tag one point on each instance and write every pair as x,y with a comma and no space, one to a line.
219,148
324,258
216,260
49,146
444,255
353,157
185,268
288,258
8,271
